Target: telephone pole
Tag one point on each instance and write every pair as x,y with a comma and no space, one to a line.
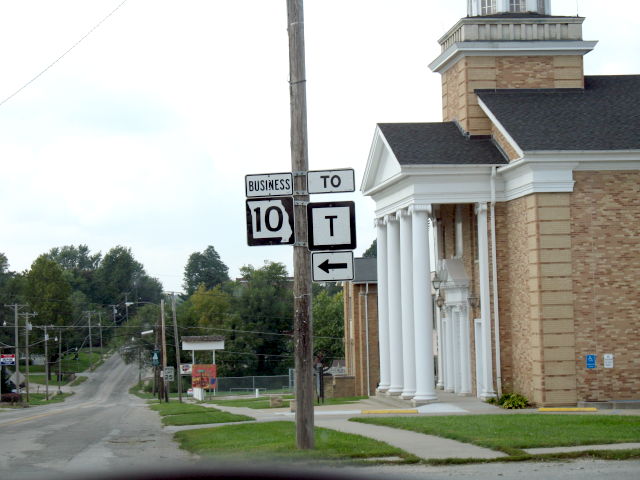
27,327
90,341
303,326
16,310
59,360
177,345
165,392
46,364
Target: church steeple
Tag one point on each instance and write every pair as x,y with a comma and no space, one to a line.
478,8
507,44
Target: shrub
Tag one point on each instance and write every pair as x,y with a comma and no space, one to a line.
10,397
513,401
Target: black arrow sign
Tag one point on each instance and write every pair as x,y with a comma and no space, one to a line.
326,266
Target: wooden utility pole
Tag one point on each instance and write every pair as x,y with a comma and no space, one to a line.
165,393
27,327
59,361
46,364
16,309
303,325
177,345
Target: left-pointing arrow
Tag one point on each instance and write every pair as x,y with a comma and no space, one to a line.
326,266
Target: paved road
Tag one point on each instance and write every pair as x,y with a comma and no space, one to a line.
100,429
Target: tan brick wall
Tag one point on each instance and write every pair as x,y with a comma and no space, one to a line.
506,147
605,224
460,103
356,334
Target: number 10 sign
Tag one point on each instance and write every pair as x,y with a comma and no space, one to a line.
270,221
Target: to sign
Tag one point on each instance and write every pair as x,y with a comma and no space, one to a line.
332,225
7,359
269,185
270,221
332,266
331,181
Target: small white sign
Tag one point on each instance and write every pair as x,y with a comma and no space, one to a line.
332,266
331,181
169,374
269,185
185,368
332,225
608,360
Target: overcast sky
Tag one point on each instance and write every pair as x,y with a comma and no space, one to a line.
142,134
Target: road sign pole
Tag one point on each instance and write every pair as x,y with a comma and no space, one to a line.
303,327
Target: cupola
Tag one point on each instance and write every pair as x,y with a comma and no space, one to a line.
477,8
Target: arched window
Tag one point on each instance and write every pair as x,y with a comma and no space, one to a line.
487,7
516,6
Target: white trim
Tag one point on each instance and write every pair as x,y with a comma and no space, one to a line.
503,131
459,50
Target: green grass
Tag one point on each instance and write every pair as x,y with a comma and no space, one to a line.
79,379
39,398
189,414
70,364
41,379
512,433
270,440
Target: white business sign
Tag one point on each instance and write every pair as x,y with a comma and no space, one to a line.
331,266
270,221
331,181
332,225
269,185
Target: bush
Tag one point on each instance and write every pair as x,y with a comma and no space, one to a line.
513,401
10,397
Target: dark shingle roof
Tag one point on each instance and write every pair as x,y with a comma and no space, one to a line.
603,116
365,270
438,144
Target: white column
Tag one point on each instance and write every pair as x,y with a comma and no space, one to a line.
485,313
395,305
406,297
465,383
422,307
449,382
455,340
383,306
441,349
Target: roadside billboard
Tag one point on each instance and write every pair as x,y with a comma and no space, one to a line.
204,376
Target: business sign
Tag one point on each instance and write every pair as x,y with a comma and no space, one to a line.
332,225
269,185
331,266
331,181
591,361
204,376
185,369
7,359
270,221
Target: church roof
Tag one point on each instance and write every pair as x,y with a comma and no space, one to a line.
438,144
603,116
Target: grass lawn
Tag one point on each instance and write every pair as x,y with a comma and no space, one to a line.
512,433
189,414
41,379
263,402
79,379
266,441
39,398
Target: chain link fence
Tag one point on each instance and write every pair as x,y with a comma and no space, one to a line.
245,385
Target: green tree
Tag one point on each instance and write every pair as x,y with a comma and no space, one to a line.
328,325
81,265
264,303
48,292
204,268
372,251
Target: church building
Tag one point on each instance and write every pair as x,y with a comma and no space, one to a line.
530,188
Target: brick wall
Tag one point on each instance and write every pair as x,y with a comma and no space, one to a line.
460,103
605,229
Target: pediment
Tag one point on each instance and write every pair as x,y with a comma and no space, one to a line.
382,165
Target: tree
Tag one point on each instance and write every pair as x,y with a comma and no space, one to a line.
372,251
80,265
204,268
328,325
48,292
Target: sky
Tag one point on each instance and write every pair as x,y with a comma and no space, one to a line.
141,135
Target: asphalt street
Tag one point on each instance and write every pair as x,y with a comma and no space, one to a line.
102,428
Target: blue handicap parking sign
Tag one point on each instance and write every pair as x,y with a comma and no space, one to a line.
591,361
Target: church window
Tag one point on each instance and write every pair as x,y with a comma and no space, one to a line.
516,6
488,7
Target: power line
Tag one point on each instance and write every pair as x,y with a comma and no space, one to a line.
63,55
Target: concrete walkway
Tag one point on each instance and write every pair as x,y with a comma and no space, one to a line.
427,447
